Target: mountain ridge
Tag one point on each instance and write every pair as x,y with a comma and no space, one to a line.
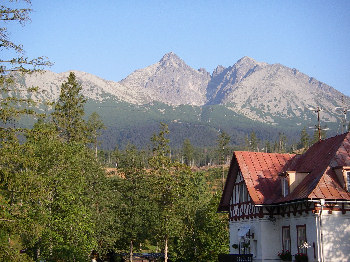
269,99
257,90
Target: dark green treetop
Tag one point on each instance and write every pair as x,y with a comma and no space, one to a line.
69,111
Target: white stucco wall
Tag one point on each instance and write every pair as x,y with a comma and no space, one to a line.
265,244
267,241
336,236
310,220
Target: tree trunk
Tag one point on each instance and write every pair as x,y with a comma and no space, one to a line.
131,251
96,147
166,250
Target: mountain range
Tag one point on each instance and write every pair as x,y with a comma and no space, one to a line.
254,95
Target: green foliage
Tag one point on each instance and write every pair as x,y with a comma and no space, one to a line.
318,134
94,129
69,111
135,208
185,215
13,63
161,161
51,196
188,152
280,145
222,149
13,59
165,184
209,223
252,142
21,190
128,123
304,142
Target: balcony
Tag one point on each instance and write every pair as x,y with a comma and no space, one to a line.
235,257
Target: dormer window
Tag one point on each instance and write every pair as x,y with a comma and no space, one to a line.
284,183
343,174
285,186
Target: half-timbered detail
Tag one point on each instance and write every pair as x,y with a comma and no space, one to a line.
299,203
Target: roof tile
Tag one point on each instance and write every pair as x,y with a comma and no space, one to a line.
260,172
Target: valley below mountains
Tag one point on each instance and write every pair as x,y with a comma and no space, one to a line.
249,96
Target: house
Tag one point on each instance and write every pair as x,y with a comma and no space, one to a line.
299,203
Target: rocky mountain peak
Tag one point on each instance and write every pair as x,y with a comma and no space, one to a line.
171,59
218,70
246,60
258,90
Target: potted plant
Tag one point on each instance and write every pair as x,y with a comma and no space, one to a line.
246,244
235,246
285,255
301,257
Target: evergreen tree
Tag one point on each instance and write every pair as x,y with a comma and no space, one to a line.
94,129
316,135
222,147
268,147
304,142
69,111
253,142
281,143
188,152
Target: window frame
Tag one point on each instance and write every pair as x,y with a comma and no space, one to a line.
285,186
299,243
242,193
347,177
283,239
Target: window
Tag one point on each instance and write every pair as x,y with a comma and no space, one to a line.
244,245
286,238
285,186
243,193
301,239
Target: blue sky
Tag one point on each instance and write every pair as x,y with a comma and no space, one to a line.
111,39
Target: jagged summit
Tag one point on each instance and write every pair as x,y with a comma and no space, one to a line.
246,59
170,56
171,59
260,91
218,70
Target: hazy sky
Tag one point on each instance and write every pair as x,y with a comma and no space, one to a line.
111,39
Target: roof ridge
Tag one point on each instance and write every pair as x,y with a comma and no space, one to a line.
323,153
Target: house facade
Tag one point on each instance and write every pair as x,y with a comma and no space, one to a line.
300,203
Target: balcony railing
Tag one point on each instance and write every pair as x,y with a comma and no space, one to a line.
235,257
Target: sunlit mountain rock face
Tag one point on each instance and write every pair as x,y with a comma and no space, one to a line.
257,90
226,99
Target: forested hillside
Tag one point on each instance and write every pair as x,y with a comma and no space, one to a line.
57,201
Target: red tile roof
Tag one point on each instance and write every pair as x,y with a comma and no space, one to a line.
320,160
260,172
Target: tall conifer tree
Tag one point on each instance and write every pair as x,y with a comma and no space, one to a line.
69,111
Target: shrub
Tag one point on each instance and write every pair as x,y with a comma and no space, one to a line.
285,255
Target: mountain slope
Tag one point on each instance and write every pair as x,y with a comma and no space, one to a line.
170,81
262,91
247,96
